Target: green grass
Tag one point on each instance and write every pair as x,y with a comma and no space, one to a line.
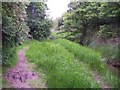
108,51
60,66
9,56
60,34
91,58
63,64
9,59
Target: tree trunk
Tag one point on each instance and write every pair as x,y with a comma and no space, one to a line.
83,36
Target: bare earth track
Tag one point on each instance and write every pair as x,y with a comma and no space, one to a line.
19,75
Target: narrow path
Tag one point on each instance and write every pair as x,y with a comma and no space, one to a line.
100,81
19,75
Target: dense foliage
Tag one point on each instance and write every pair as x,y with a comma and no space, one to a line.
86,19
14,28
38,23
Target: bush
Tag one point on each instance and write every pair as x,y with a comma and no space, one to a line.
38,23
9,57
108,31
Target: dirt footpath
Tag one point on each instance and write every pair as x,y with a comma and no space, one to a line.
19,75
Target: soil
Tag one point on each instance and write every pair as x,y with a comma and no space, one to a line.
100,81
18,76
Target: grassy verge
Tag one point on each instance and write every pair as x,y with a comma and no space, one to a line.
91,58
9,59
108,51
60,35
60,66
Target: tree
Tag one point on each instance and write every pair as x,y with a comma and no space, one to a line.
80,18
38,23
13,23
14,29
83,19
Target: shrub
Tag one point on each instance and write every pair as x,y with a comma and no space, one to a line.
9,57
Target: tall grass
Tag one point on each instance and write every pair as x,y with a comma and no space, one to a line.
91,58
60,66
107,51
9,59
65,64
